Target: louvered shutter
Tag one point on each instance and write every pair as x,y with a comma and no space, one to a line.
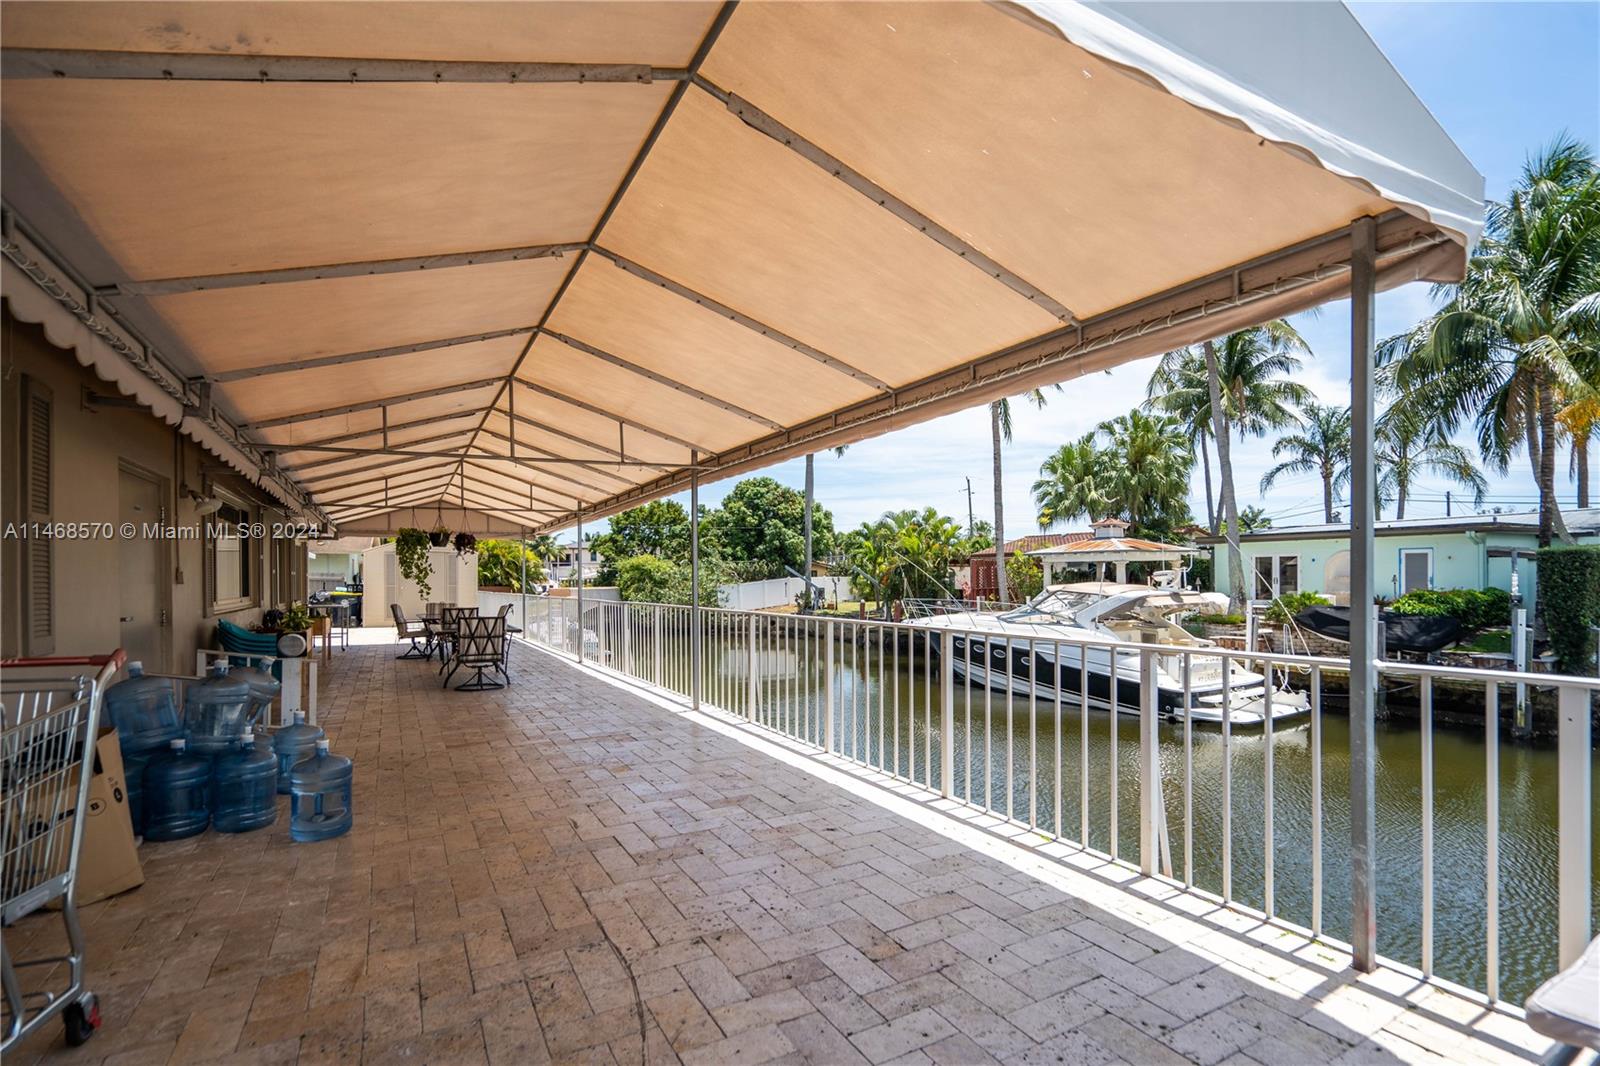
38,555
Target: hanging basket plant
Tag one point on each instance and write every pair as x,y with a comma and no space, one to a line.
411,547
464,543
440,536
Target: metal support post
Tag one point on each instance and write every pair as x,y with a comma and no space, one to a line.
947,714
827,686
579,572
694,580
1149,766
1363,615
522,583
1574,822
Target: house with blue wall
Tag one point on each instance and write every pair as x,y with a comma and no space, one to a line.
1462,552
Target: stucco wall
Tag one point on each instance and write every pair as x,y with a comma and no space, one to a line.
1460,560
91,445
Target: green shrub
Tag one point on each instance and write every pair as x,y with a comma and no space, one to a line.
1284,608
1569,596
1473,608
500,562
1220,619
645,578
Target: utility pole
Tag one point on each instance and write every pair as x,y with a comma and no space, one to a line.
1447,503
972,526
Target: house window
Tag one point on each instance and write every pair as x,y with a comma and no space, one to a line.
230,558
1416,569
1276,575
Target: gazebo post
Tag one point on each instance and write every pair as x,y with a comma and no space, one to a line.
1363,621
694,579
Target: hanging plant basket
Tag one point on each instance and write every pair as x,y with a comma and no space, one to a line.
439,537
411,547
464,543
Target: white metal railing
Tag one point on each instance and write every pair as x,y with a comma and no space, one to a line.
994,732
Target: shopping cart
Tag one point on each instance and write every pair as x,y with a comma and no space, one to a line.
51,719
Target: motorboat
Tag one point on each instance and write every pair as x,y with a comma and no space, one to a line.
1067,631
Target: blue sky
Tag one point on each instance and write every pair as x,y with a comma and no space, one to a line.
1502,78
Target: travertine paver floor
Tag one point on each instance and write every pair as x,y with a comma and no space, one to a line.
567,870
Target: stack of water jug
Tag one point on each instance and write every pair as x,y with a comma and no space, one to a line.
210,768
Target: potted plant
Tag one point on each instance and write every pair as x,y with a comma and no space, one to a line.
440,536
411,556
464,542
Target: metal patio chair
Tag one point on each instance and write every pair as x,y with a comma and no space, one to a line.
480,646
405,629
445,632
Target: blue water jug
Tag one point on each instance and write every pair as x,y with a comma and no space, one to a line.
264,688
145,711
244,788
214,711
319,796
293,744
177,793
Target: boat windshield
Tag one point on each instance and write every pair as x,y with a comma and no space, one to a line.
1052,605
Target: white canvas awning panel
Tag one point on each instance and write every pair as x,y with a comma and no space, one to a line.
535,261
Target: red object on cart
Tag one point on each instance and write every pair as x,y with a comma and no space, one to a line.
51,719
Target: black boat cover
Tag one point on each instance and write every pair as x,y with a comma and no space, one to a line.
1402,632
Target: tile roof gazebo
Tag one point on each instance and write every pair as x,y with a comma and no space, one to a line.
1108,547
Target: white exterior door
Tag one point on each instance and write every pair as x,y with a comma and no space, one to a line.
1416,569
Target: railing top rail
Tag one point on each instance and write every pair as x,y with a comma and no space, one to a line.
1285,659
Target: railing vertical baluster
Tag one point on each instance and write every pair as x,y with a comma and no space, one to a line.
1491,792
1188,770
927,709
1011,728
966,701
947,713
1427,825
1055,680
1116,711
750,696
895,638
1033,736
1149,765
988,722
655,639
828,672
1316,801
1574,821
1227,779
911,705
883,689
1266,789
1083,744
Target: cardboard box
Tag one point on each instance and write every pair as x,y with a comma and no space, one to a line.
108,863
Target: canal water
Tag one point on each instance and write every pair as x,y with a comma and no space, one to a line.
889,717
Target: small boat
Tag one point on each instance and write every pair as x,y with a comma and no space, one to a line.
1031,637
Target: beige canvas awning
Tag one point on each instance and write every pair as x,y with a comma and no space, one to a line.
530,261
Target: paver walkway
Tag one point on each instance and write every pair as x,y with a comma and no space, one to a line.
569,871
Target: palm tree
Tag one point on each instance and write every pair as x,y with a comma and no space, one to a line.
1000,427
1149,462
1517,338
1178,387
1072,483
1409,445
1250,389
1322,447
1580,421
806,520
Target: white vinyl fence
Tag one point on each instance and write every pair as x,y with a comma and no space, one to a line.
780,592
